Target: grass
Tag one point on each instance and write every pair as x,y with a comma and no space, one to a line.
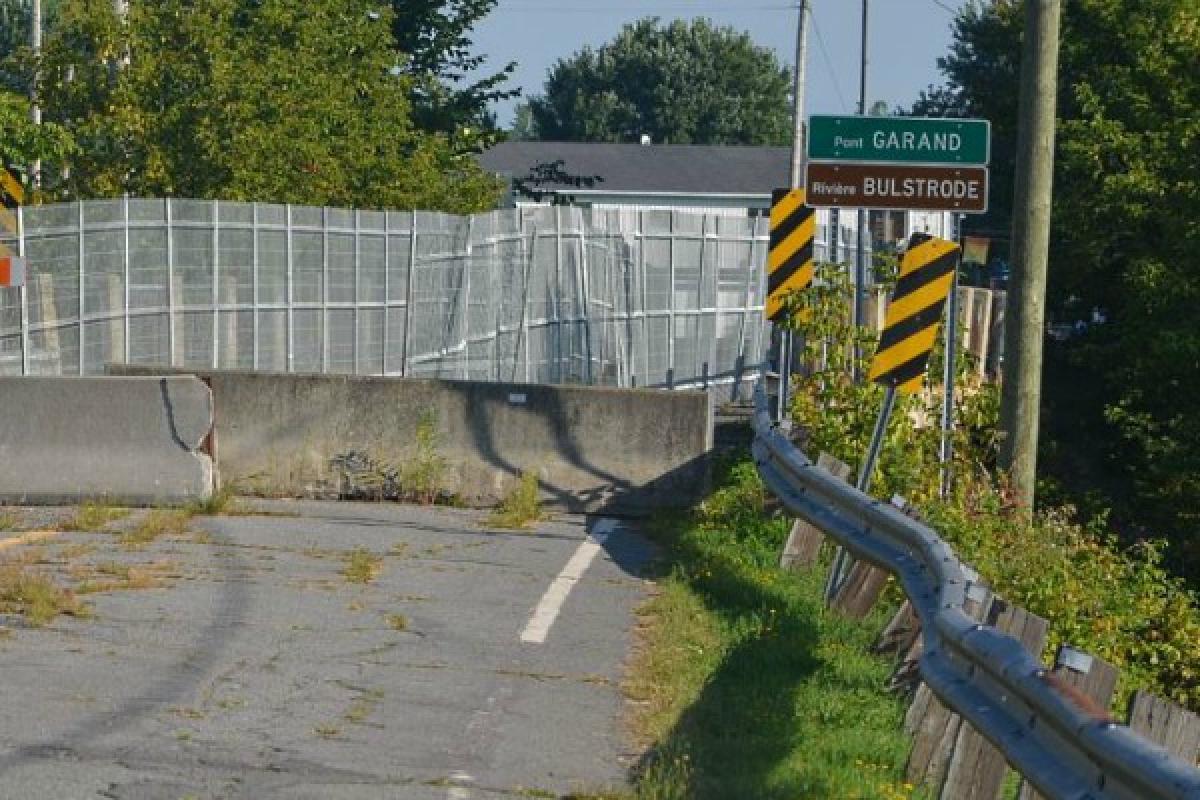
157,523
222,501
362,566
743,684
520,507
111,577
94,516
34,595
397,622
9,522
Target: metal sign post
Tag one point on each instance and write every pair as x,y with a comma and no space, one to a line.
927,272
946,451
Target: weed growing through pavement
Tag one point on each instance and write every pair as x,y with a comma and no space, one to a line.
362,566
94,516
397,622
159,522
34,595
221,501
9,522
327,731
521,506
421,476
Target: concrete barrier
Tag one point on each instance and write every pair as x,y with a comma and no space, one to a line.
132,440
621,450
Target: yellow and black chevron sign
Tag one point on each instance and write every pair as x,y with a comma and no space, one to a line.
913,317
12,194
790,256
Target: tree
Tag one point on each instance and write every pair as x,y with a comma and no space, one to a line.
433,38
268,100
1123,400
683,83
22,143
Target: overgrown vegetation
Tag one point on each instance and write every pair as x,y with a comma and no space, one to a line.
158,522
35,595
422,474
521,507
362,566
419,478
744,686
1117,601
1120,430
94,516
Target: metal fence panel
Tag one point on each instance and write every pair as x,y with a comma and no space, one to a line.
545,294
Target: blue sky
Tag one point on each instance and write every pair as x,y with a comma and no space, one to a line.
905,39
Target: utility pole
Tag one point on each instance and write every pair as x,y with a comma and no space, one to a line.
860,263
1024,329
795,180
35,110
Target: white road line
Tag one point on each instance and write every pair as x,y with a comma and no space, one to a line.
552,601
459,792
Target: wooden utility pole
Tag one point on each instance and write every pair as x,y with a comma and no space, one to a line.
787,340
1025,326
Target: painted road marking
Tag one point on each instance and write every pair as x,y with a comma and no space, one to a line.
459,792
552,601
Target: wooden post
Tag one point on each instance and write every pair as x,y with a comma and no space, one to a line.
977,769
1021,390
803,545
900,634
934,727
1166,724
1086,675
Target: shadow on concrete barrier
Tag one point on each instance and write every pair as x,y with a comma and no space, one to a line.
130,440
593,449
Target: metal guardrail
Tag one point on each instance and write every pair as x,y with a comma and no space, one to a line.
985,676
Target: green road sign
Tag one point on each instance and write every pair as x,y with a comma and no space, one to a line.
907,140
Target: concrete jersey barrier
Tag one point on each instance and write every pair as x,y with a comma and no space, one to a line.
621,450
133,440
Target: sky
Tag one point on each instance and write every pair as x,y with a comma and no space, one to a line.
905,37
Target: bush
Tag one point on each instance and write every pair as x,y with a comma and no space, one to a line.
1119,603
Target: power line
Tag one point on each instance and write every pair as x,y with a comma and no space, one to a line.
829,64
943,6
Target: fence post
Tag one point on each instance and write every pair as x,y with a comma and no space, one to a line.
82,341
23,290
405,366
291,286
125,267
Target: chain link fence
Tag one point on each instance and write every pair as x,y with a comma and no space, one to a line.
542,295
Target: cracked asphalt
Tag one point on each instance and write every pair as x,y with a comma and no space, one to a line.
256,669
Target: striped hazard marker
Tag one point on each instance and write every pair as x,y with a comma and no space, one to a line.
790,255
913,317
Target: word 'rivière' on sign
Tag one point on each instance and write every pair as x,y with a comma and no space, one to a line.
790,256
913,317
904,187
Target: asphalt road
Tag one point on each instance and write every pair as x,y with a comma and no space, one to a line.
256,669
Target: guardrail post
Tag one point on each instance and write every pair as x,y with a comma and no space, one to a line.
1166,724
803,545
977,769
933,726
1091,677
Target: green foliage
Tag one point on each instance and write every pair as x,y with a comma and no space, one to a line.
746,686
521,506
838,415
447,96
422,474
681,83
1119,603
22,143
1122,421
266,101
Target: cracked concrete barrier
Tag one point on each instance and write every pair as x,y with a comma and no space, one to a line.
133,440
